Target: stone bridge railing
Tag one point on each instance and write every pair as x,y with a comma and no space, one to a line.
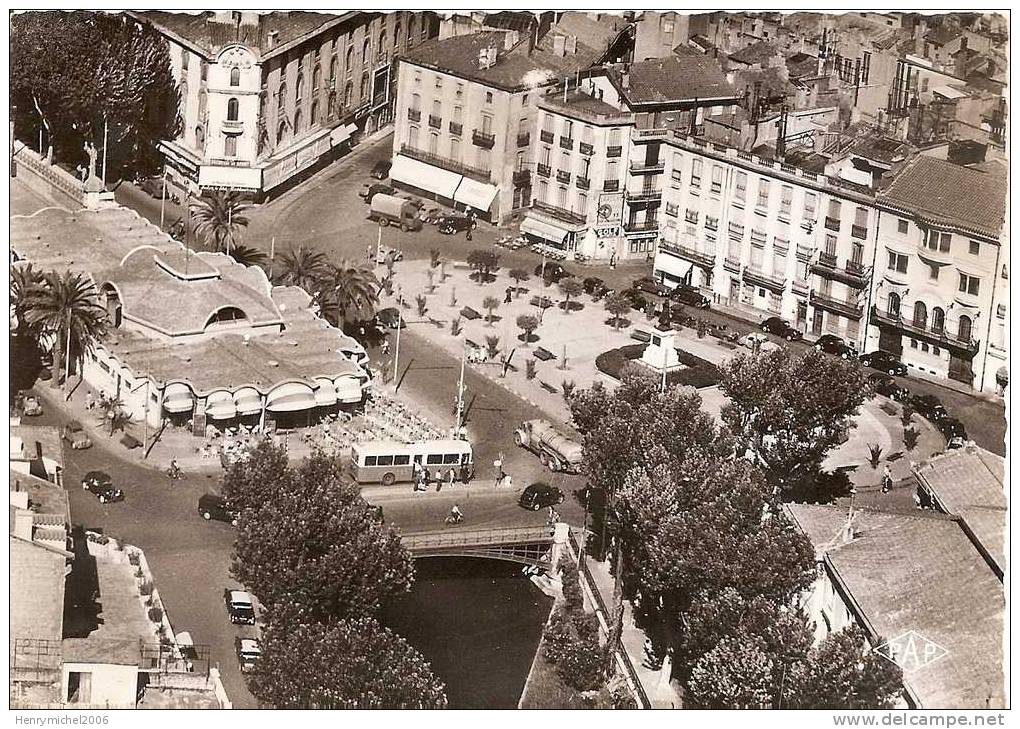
527,545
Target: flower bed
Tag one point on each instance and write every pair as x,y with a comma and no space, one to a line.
696,372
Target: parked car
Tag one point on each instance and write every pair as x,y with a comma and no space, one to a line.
884,362
248,653
154,187
389,318
211,506
383,253
781,328
101,485
831,344
595,287
554,272
754,340
650,286
240,606
953,431
883,384
540,495
381,169
930,407
689,296
636,298
31,406
74,433
377,188
454,223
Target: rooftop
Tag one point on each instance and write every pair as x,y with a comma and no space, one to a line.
681,77
39,441
44,497
942,192
210,34
584,106
921,572
757,53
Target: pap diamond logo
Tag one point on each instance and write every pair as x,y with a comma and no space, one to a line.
912,651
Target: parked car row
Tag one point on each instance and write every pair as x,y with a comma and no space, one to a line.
241,611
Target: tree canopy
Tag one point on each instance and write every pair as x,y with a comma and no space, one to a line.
71,72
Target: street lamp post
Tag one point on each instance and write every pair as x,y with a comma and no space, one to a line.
162,202
460,388
396,349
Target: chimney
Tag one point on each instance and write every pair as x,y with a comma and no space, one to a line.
571,46
249,19
23,524
533,38
559,46
509,39
271,37
625,79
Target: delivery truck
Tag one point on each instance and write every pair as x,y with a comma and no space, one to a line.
556,451
387,209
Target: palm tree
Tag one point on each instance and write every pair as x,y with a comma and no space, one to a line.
24,280
67,307
247,255
219,218
303,267
352,288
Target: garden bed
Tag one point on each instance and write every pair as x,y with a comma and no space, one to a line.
697,372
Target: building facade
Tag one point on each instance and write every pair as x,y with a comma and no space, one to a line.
266,98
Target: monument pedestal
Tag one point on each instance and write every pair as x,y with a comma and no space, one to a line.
661,354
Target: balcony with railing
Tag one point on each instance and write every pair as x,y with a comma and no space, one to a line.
731,264
436,122
481,139
522,177
647,168
859,231
832,223
563,176
583,183
546,137
643,195
614,151
524,139
938,337
770,281
586,149
566,142
706,259
456,129
800,288
446,163
414,115
641,227
611,186
853,274
849,309
562,214
543,170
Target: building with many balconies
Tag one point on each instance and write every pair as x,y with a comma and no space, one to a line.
266,98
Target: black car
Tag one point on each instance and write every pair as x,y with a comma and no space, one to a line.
377,189
101,484
930,407
883,384
781,328
381,169
831,344
595,287
636,298
885,362
953,431
689,296
211,506
240,606
650,286
553,272
389,318
450,224
539,495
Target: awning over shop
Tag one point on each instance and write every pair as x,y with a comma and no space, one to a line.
220,406
948,92
325,395
544,230
348,389
248,401
290,397
341,134
230,178
478,195
673,266
178,398
425,177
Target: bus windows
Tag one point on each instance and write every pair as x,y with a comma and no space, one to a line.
434,459
370,460
384,461
451,459
401,460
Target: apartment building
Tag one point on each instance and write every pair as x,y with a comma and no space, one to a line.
941,271
657,34
466,108
268,97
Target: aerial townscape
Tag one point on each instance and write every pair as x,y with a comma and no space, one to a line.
290,428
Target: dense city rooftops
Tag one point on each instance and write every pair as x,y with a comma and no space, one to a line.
943,193
688,76
919,572
755,54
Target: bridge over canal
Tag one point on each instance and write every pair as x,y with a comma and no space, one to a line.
524,545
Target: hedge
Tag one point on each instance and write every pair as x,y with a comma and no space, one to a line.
697,372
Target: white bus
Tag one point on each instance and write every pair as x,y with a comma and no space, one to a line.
388,462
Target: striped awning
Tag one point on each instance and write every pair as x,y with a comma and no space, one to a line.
325,394
220,406
348,389
248,401
544,230
178,398
289,397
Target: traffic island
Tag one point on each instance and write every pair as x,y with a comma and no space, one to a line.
691,371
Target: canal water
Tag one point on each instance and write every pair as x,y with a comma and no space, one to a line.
478,622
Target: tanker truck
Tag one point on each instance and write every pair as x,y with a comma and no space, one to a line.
556,451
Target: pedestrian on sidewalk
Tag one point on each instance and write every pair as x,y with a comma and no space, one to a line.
90,401
509,295
497,469
385,346
886,479
450,477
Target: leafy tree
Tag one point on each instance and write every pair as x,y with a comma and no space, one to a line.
219,218
347,664
24,281
787,411
736,674
66,307
570,287
841,674
527,323
73,73
617,305
519,276
247,255
303,267
490,304
484,262
313,541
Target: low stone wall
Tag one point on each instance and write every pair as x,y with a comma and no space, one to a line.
48,179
